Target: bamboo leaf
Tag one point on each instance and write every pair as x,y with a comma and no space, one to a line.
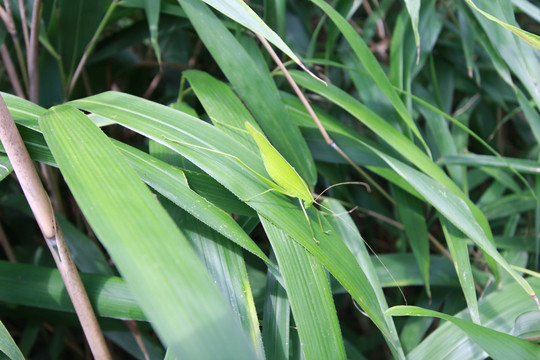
457,244
160,123
455,210
146,246
520,58
8,346
310,297
370,62
30,285
254,85
240,12
171,183
532,39
276,319
498,345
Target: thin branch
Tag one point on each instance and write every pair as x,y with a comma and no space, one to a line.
134,329
4,242
440,247
315,118
24,23
7,19
153,85
12,72
41,207
33,69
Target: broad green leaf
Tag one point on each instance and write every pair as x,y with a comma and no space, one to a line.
397,53
276,319
171,183
144,242
255,87
402,270
23,111
225,264
160,123
164,179
274,15
347,230
310,297
43,287
457,244
527,325
223,259
498,311
497,344
8,346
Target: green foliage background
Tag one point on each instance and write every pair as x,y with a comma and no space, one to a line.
436,103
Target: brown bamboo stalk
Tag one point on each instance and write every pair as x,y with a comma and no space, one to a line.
12,72
7,18
4,242
24,23
41,207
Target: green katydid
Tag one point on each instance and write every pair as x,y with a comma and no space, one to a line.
285,179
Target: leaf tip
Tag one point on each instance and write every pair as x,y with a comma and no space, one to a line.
311,73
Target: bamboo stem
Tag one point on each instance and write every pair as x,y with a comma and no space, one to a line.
41,207
24,23
12,72
7,19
